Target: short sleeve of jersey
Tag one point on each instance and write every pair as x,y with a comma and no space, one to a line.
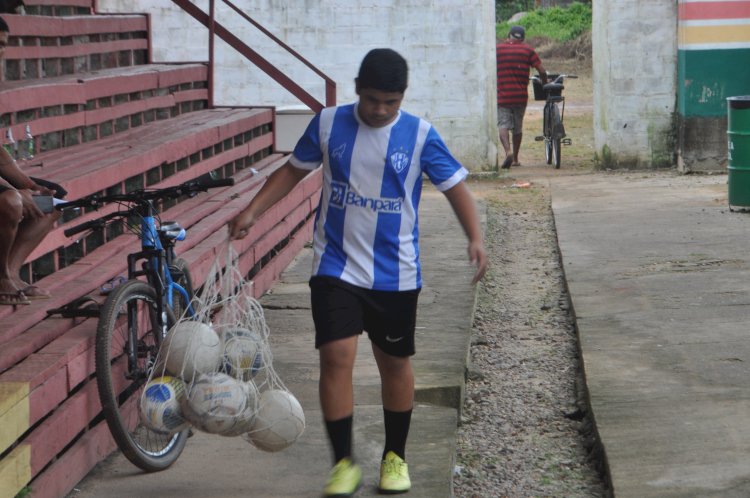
307,153
443,170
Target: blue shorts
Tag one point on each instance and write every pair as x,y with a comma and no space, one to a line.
343,310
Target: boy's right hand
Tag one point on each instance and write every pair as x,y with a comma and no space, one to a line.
240,225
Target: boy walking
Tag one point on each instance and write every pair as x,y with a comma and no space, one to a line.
366,274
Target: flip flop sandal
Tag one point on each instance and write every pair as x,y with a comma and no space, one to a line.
35,292
110,285
507,163
13,298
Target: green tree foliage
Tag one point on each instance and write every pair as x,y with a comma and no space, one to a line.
557,23
504,9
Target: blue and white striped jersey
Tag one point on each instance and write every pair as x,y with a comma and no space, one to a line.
366,227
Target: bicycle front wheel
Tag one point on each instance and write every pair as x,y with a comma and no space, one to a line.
548,150
127,342
556,149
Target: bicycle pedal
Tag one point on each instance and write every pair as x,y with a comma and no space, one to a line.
539,139
566,141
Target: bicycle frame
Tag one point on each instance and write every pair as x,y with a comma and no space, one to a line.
158,254
135,318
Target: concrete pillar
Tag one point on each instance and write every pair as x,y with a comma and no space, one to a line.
635,72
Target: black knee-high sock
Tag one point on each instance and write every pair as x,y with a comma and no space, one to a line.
340,435
396,431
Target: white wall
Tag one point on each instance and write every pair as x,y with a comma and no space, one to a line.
635,74
449,45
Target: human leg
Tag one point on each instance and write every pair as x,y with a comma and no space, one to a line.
335,384
338,323
517,137
337,403
518,115
11,213
397,381
504,125
397,391
29,234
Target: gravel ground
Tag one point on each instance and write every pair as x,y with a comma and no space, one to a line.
524,430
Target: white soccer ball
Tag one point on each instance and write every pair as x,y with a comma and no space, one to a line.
243,352
278,423
215,402
245,420
160,405
191,348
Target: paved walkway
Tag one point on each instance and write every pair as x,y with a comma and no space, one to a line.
659,275
231,468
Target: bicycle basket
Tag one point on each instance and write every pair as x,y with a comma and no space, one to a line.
538,90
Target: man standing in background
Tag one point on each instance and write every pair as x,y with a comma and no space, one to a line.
514,60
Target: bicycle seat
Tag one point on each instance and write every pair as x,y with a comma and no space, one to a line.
554,88
172,230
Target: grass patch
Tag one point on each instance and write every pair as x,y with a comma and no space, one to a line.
556,23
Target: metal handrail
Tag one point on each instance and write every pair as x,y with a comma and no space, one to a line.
217,29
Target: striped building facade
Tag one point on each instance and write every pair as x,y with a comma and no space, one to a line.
713,64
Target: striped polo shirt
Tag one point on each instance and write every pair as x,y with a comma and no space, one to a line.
366,227
514,59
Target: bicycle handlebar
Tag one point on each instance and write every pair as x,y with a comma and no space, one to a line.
200,184
97,223
140,197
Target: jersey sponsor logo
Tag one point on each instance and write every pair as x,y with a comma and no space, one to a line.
399,161
341,197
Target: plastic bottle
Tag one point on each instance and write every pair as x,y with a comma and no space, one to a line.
10,145
27,150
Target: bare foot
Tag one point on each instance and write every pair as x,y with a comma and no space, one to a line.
10,295
35,292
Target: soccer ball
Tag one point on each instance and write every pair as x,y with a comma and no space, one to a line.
215,402
278,423
160,405
245,419
191,348
243,353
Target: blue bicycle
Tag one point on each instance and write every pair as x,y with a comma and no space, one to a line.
135,318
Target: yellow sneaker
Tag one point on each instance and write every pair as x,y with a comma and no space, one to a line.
394,475
344,479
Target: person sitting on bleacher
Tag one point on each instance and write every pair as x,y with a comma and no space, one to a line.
22,224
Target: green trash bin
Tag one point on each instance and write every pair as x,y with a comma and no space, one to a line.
738,150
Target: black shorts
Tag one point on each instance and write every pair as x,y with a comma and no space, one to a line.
343,310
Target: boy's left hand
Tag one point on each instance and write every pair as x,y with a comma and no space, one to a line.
478,257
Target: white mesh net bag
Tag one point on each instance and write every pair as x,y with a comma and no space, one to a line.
219,367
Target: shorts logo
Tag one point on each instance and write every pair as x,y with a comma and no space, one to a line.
341,197
399,161
393,339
